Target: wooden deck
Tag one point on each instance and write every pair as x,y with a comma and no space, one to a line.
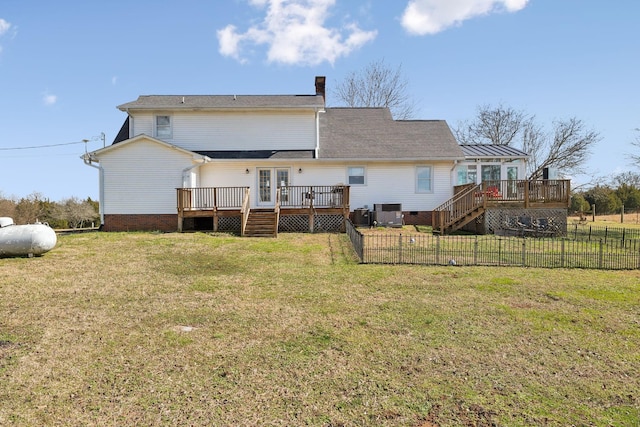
219,202
471,200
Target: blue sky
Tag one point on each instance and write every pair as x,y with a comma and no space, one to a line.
66,65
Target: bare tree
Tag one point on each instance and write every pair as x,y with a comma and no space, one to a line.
635,158
7,206
75,212
493,125
566,147
568,150
377,85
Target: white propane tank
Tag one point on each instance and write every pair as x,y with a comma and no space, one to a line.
25,240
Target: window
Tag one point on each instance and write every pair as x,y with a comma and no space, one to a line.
467,174
355,175
423,179
490,173
163,127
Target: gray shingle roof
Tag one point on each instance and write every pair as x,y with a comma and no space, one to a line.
476,151
371,133
188,102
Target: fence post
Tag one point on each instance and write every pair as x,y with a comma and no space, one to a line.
437,249
524,253
622,215
475,252
600,255
400,249
562,253
499,251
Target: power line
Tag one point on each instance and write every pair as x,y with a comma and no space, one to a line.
42,146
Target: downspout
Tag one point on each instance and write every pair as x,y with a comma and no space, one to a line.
187,171
452,175
317,148
87,161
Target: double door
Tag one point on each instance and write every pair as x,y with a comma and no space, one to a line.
269,179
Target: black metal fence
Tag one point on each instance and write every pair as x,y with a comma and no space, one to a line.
629,236
490,250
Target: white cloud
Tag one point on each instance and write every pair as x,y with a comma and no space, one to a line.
4,26
295,33
114,80
49,99
432,16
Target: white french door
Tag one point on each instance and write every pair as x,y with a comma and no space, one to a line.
269,179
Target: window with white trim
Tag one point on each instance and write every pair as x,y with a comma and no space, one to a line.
424,179
355,175
163,127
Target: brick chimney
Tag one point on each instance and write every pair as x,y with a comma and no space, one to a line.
320,90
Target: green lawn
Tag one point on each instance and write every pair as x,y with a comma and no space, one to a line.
198,329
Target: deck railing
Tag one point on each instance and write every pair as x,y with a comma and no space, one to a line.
211,198
528,192
318,196
291,196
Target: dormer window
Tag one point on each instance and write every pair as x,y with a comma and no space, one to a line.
163,127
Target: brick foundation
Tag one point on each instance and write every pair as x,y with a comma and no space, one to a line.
141,222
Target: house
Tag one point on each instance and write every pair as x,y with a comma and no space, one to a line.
259,164
269,147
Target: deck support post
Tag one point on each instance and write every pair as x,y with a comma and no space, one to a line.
311,221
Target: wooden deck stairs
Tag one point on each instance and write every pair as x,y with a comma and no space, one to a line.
262,223
460,210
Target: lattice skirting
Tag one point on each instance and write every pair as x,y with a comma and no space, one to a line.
229,224
300,223
327,223
293,223
504,221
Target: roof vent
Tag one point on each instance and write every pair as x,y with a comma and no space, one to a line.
182,100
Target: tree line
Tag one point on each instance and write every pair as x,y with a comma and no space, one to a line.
68,213
609,197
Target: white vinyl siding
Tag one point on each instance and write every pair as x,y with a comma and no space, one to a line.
386,182
395,183
141,178
204,131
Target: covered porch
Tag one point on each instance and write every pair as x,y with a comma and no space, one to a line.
306,208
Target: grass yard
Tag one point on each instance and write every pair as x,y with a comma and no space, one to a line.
197,329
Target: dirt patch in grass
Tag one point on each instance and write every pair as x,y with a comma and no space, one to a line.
200,329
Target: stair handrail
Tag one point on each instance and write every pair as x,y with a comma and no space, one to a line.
458,206
244,211
276,209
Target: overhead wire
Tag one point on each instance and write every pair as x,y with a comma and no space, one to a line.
41,146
